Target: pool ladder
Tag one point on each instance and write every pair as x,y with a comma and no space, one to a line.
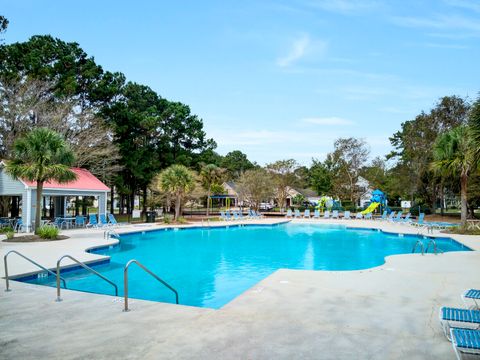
424,249
5,263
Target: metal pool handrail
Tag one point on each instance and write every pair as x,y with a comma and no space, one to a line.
125,281
435,248
422,247
30,260
86,268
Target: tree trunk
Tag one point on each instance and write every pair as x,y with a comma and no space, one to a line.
434,200
208,199
463,197
144,205
442,200
177,206
112,198
38,204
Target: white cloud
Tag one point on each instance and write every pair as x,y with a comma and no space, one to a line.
440,22
328,121
345,6
302,47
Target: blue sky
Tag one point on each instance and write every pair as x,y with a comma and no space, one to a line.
278,79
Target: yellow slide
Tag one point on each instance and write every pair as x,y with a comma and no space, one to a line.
370,208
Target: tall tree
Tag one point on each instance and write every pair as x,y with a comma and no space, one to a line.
211,175
255,187
284,177
42,155
236,163
178,181
348,158
453,156
3,25
320,177
413,146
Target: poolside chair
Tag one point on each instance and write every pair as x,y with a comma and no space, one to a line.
228,217
289,213
258,214
306,214
235,215
420,220
316,214
391,216
368,216
92,220
326,214
384,216
406,219
19,225
80,221
112,220
466,343
102,220
473,295
297,214
398,218
359,215
455,317
335,214
222,216
346,215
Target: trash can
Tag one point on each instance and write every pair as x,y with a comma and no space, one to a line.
150,216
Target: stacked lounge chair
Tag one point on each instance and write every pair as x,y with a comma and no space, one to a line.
289,213
335,214
316,214
306,214
346,215
461,326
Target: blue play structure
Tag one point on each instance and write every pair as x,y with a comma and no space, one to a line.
378,199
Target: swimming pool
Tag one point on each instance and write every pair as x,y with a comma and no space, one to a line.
210,267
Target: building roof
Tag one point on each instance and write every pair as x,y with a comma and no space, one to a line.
85,181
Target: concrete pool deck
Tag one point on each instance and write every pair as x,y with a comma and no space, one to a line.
389,311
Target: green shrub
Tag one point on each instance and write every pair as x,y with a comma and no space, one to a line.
6,229
423,208
167,219
48,232
182,220
10,234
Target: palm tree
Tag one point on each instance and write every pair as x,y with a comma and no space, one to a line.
210,174
454,156
178,181
41,155
474,123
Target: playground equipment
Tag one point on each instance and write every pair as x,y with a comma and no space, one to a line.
378,199
327,202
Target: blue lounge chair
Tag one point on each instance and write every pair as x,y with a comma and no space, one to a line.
368,216
19,225
92,220
326,214
397,217
102,220
420,220
306,214
80,221
466,343
222,216
289,213
455,317
359,215
316,214
235,215
346,215
391,216
406,219
473,295
112,220
297,214
384,216
228,217
335,214
258,214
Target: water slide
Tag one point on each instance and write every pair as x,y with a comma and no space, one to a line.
371,208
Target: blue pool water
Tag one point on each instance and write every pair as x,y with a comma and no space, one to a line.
211,267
